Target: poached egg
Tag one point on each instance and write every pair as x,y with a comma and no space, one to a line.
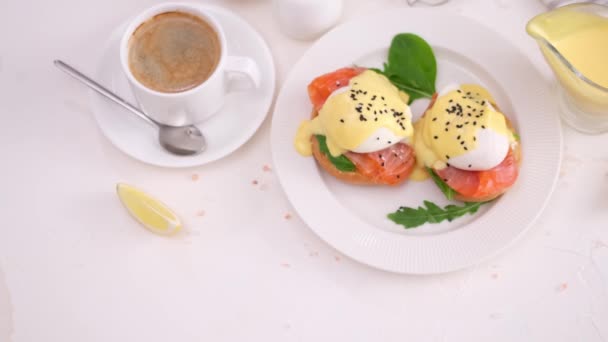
462,129
367,115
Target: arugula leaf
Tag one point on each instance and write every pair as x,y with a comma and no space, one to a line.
447,191
411,66
341,163
431,213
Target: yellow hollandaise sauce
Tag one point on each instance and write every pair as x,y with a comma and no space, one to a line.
587,51
369,112
581,37
451,129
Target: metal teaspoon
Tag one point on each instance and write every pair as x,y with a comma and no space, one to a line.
184,140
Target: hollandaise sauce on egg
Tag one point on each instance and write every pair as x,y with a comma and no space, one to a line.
367,115
463,129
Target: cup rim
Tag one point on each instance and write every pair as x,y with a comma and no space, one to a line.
150,12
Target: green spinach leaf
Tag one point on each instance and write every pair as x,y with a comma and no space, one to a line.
341,163
411,66
443,186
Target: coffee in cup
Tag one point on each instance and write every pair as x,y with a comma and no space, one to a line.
173,52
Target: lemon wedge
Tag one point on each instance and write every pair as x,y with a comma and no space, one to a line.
150,212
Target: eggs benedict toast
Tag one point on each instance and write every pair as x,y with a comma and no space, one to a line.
360,128
467,143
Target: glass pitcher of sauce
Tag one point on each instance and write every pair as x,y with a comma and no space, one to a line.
574,41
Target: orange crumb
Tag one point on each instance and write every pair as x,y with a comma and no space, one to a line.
195,177
562,287
288,216
266,168
254,182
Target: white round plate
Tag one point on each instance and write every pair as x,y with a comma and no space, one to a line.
237,121
353,218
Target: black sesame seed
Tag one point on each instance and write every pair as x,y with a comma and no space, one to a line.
447,157
377,138
470,166
465,148
436,137
462,142
474,138
447,123
450,101
459,91
375,119
342,120
374,98
362,118
389,141
382,97
446,129
434,119
458,137
482,126
474,123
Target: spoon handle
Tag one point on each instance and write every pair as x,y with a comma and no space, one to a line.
102,90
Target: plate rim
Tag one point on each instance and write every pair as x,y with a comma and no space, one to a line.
556,132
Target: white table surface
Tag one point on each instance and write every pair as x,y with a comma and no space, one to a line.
75,267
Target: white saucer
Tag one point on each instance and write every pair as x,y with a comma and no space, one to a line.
237,121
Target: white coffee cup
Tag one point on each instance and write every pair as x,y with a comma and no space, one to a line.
199,103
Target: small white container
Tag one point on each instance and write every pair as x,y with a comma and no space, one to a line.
307,19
